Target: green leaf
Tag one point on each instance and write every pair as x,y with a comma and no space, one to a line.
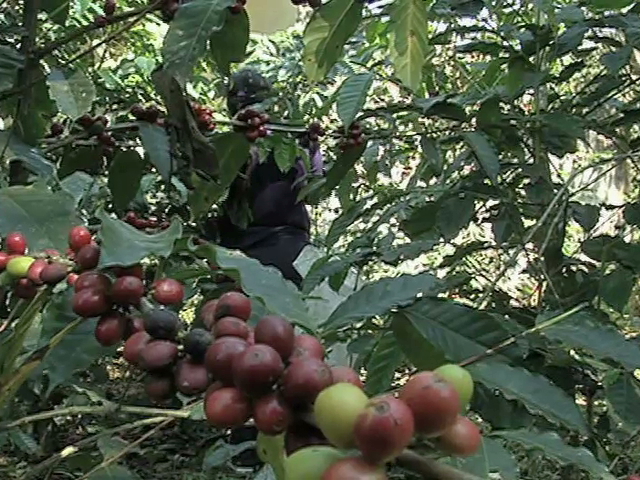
454,214
32,157
221,452
570,40
328,30
43,216
113,472
492,458
326,267
379,297
623,396
352,95
459,331
584,330
485,153
409,27
263,282
233,152
125,174
415,346
381,366
73,93
77,350
632,213
342,165
79,184
58,10
615,61
615,288
186,41
10,62
285,151
124,245
553,447
431,154
156,145
586,215
229,44
535,392
609,4
605,248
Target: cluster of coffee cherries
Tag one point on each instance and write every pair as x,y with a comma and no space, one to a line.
255,123
310,138
96,127
431,404
109,10
168,8
354,137
145,223
29,272
149,114
204,117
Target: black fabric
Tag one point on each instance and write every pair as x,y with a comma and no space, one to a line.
279,226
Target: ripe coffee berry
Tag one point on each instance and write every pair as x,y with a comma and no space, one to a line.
79,237
168,291
16,243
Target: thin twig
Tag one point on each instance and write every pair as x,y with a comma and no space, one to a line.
108,461
94,410
83,30
73,449
431,469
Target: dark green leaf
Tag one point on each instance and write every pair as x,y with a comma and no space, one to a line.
409,42
233,152
586,215
262,282
229,44
125,174
32,157
42,216
454,214
10,62
421,220
632,213
616,287
613,249
156,145
585,330
113,472
352,96
609,4
379,297
186,41
325,267
570,39
345,162
492,458
431,154
552,446
116,234
615,61
485,153
58,10
77,350
73,92
624,397
385,359
79,184
326,33
535,392
459,331
416,347
221,452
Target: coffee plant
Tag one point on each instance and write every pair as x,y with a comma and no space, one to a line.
469,305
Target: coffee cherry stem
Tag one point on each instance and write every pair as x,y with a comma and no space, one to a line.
430,468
